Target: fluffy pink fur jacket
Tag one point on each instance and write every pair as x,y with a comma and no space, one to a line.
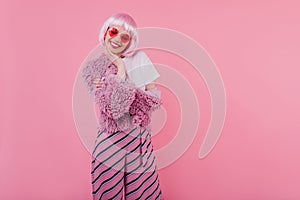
122,104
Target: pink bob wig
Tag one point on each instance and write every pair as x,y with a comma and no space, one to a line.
121,19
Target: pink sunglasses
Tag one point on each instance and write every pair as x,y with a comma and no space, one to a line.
112,31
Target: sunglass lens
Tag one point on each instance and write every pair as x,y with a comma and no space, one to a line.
125,38
113,32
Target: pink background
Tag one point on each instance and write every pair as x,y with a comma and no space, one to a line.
255,45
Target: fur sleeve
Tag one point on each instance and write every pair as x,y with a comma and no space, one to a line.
94,68
114,100
115,96
144,104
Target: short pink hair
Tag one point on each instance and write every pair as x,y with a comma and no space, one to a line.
121,19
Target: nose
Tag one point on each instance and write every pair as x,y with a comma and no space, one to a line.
117,39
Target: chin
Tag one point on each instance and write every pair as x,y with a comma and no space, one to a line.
115,51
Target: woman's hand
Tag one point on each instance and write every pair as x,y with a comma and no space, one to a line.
117,61
97,82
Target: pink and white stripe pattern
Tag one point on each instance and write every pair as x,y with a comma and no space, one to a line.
123,166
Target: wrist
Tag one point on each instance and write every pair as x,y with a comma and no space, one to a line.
118,61
122,75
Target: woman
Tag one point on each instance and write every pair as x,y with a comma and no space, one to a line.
121,82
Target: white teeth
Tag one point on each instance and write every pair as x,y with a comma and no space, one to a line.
114,44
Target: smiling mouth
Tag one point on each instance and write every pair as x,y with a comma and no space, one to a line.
114,44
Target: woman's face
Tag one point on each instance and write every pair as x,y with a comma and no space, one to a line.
117,39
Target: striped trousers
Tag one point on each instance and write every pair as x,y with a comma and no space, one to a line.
123,166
